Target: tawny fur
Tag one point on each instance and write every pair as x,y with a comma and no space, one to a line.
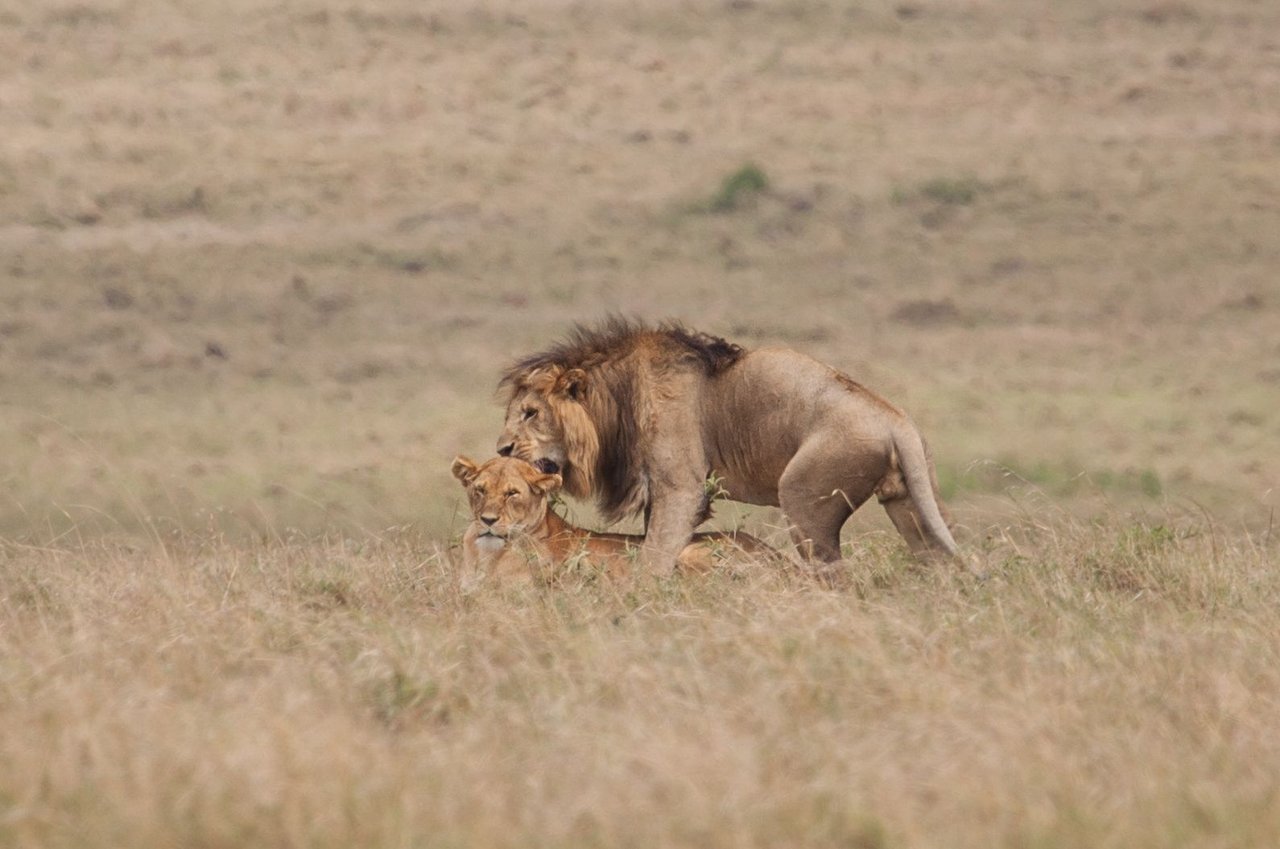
639,418
523,537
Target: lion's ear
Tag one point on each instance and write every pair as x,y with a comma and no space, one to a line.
573,383
543,380
546,484
464,469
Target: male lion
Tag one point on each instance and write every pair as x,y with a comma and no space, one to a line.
514,532
641,418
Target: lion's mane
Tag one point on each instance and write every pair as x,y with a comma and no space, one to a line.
608,377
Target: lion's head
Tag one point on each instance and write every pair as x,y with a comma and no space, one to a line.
508,496
548,425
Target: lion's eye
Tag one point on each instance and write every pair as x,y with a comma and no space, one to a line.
512,493
529,413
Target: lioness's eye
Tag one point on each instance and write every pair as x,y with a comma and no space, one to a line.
530,413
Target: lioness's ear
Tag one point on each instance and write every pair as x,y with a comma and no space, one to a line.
572,383
464,469
546,484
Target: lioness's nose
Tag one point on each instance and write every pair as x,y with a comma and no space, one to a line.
505,450
489,520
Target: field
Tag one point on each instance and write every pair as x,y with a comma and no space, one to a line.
261,265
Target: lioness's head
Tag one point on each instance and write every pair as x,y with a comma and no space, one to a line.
549,426
508,496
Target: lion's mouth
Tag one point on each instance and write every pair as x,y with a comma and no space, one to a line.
547,466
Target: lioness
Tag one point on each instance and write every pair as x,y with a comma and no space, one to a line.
640,418
514,532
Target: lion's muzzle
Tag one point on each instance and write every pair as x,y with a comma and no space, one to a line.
526,450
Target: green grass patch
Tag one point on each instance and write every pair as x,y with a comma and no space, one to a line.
747,182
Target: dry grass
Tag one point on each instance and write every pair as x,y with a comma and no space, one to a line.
1106,686
260,264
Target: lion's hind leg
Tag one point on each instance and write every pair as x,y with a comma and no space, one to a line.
902,512
818,495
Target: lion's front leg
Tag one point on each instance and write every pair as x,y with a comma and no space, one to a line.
677,469
673,515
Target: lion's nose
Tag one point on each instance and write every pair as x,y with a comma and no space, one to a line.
505,450
489,520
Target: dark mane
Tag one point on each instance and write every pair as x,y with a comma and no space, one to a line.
587,347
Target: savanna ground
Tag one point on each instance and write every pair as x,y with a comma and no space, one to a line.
260,265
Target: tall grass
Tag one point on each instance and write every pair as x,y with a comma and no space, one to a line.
1106,686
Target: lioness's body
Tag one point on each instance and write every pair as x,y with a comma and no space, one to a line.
514,534
640,418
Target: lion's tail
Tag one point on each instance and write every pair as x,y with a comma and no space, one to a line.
914,462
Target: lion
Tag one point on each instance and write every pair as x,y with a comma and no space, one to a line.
514,533
640,418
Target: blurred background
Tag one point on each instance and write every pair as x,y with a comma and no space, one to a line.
262,263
